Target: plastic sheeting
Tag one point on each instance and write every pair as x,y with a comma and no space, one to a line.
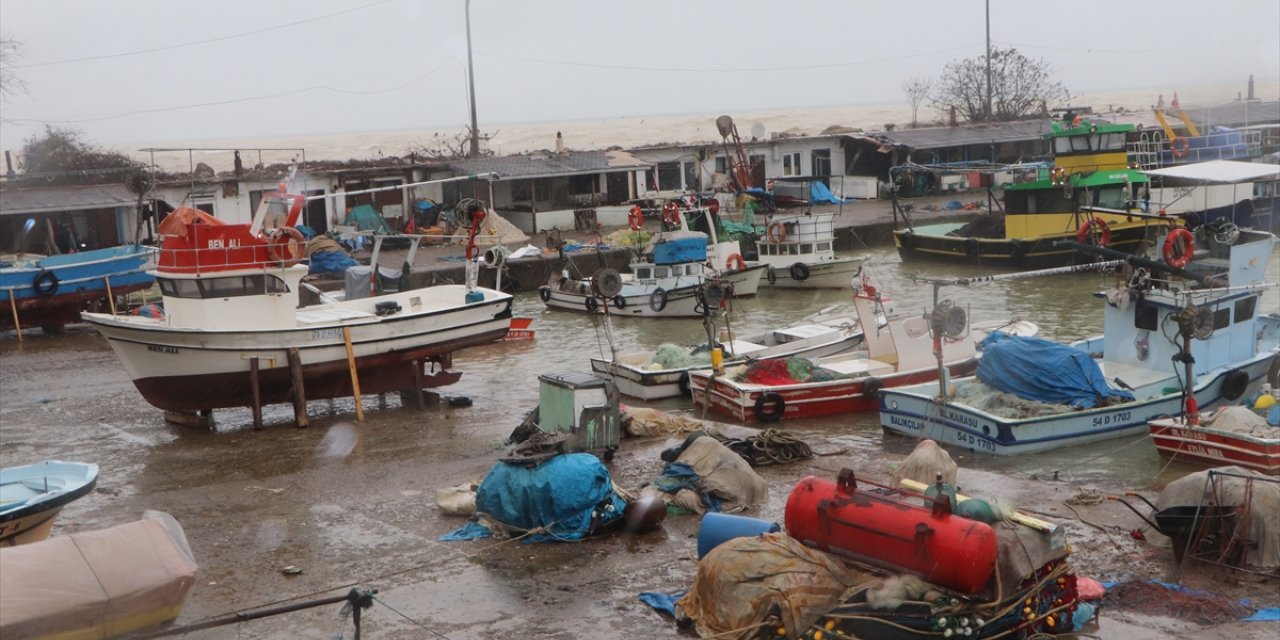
1262,495
1044,371
365,218
708,476
568,497
819,193
96,584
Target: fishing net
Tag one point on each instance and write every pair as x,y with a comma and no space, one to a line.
768,372
1006,405
1153,598
674,356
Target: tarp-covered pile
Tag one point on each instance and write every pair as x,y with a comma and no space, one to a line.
1258,498
568,497
1045,371
708,476
97,584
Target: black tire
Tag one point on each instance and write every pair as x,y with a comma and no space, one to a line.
771,275
683,385
871,387
799,272
1235,384
45,283
907,239
1016,250
658,300
971,247
592,304
544,293
619,302
769,407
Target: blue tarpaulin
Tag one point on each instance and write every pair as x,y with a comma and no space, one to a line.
568,496
330,262
819,193
1044,371
365,218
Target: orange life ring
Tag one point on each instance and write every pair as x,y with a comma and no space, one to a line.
1094,229
635,218
776,232
286,246
1178,247
671,214
735,262
1179,146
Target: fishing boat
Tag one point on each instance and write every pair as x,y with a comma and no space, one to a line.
665,286
1217,440
798,251
664,373
1201,305
50,291
907,350
31,496
1090,195
232,331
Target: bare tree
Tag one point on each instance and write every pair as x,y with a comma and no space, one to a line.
917,89
60,156
10,84
451,147
1018,86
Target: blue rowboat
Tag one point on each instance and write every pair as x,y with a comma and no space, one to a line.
51,291
31,497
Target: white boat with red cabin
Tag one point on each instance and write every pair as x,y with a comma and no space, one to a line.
232,322
902,352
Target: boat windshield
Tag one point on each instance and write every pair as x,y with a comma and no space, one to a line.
225,287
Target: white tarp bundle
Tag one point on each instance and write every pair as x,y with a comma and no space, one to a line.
1257,494
96,584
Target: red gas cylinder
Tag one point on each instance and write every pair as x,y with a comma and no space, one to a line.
943,549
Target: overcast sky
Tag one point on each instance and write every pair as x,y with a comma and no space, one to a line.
151,70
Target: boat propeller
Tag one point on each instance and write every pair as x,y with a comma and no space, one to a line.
606,283
948,320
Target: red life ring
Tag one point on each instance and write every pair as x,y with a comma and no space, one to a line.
1094,229
776,232
1179,146
671,214
1178,247
286,246
713,206
735,262
635,218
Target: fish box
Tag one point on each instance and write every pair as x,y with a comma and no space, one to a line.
680,250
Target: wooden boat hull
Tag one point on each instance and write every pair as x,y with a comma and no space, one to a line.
36,495
191,370
807,399
1174,439
1026,253
53,290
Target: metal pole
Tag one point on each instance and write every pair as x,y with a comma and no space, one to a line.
471,91
988,3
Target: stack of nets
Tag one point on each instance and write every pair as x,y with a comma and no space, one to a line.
787,371
674,356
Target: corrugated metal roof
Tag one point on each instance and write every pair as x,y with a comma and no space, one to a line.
939,137
545,165
77,198
1234,114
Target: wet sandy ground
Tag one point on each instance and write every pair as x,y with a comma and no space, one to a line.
353,505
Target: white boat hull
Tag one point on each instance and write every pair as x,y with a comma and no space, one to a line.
829,274
917,412
194,369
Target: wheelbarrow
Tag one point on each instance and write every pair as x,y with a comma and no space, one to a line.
1210,527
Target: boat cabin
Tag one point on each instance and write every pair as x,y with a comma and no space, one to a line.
806,238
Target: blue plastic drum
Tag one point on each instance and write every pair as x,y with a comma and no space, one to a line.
720,527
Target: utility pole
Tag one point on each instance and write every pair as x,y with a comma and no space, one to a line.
471,82
988,59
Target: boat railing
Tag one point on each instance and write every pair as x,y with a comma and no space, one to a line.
1153,149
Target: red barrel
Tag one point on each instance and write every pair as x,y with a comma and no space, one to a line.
943,549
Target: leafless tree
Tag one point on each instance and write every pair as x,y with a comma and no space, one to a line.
451,147
61,156
10,84
1018,86
917,89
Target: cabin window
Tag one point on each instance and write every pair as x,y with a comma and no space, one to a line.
1221,318
1049,201
1061,145
668,176
660,272
1113,142
1244,309
1144,315
1111,197
806,248
791,249
1079,143
643,273
824,246
821,160
229,287
791,164
1015,202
